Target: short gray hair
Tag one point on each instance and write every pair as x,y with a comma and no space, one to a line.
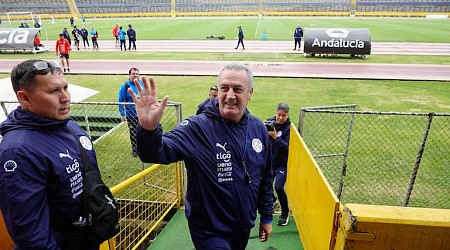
282,106
239,67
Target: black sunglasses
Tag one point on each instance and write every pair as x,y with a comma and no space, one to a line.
37,66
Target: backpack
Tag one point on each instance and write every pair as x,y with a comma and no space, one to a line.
98,205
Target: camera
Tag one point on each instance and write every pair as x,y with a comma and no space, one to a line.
270,124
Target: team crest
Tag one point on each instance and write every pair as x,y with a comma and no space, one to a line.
257,145
85,142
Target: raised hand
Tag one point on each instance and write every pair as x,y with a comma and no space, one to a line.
148,109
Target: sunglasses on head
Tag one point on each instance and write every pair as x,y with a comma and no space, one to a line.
214,88
37,66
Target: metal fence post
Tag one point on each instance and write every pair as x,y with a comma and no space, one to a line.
418,159
344,161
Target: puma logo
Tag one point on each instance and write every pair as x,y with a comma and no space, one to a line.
62,155
222,147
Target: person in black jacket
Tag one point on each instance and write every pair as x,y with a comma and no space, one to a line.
298,34
213,92
279,130
131,33
84,35
240,37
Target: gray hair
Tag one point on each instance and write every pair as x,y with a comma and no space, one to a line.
282,106
239,67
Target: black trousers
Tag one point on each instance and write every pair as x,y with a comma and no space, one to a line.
132,125
240,41
123,43
130,42
297,41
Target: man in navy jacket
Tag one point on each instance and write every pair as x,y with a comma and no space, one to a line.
279,137
227,156
41,178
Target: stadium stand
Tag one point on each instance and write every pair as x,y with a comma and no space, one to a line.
403,6
38,6
133,8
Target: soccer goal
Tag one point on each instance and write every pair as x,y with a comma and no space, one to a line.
20,15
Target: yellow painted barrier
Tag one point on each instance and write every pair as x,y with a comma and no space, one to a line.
371,227
312,200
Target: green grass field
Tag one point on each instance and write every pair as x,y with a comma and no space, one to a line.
277,28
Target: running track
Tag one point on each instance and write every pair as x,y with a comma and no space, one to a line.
267,68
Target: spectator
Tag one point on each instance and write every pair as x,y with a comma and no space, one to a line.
298,34
38,26
84,35
25,25
94,37
71,21
37,42
41,180
122,37
62,51
279,138
240,38
131,33
115,33
83,18
66,35
21,25
76,37
213,92
128,112
227,156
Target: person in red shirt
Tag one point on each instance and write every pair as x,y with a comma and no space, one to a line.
115,33
63,50
37,42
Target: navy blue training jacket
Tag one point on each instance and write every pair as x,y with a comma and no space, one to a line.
40,176
219,197
280,145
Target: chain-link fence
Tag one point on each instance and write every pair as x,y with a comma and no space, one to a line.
111,136
381,158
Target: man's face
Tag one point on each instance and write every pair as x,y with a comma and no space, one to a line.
213,94
134,74
234,94
281,116
49,98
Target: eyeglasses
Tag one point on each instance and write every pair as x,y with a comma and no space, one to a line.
215,88
37,66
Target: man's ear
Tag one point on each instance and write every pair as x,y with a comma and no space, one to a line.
23,98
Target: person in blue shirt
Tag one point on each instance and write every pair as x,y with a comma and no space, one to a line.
227,155
94,37
279,137
122,38
41,183
128,112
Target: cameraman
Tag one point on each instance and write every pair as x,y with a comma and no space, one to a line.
279,129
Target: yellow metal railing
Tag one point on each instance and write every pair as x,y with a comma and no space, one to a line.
144,200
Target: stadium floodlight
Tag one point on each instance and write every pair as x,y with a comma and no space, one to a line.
19,13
